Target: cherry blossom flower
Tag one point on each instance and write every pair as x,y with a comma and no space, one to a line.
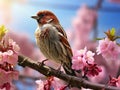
114,81
77,63
62,88
89,57
58,84
48,83
92,70
84,60
78,58
8,51
100,77
44,85
109,49
81,58
7,74
8,59
5,86
82,25
40,85
27,47
51,82
118,82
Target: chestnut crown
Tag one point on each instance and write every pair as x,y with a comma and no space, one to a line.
46,16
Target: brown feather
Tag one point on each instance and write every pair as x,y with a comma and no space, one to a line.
66,43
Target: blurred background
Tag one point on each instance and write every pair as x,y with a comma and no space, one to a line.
83,21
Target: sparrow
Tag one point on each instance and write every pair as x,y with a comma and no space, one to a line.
52,40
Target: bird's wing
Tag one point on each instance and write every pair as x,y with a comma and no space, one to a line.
61,30
63,39
67,62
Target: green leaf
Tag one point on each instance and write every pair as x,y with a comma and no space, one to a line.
112,32
99,38
3,31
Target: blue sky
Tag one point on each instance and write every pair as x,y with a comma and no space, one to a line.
23,12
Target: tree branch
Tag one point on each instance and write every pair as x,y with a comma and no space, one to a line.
48,71
30,77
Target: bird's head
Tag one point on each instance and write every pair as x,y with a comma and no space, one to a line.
45,16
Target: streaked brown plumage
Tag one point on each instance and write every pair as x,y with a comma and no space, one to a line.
52,40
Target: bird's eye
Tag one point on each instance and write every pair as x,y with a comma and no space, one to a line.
42,15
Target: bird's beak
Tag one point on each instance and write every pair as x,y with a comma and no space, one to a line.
35,17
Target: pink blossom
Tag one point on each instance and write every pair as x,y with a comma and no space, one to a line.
103,44
27,47
82,25
40,85
78,58
44,85
109,49
62,88
92,70
114,81
51,82
8,51
7,76
89,57
99,77
8,59
48,83
5,86
77,63
58,84
84,20
118,82
81,58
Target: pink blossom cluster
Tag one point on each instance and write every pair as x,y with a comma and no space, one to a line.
51,82
82,25
114,81
83,60
8,51
109,49
8,59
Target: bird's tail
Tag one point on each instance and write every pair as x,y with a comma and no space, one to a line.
69,70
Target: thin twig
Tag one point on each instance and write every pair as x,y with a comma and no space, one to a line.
30,77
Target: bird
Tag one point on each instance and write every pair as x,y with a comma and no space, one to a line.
52,40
